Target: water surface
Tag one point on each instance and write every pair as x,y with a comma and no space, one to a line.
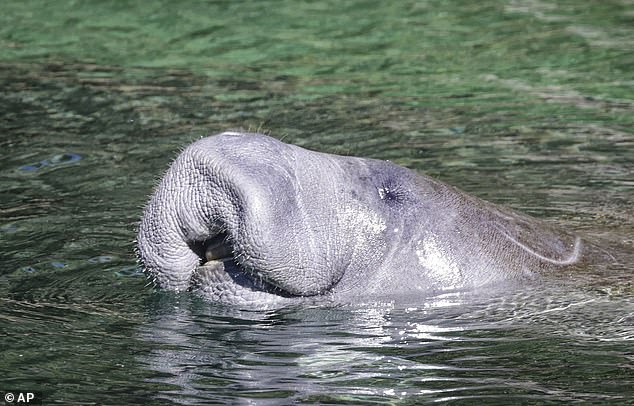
529,104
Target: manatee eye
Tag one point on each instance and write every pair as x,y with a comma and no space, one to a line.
385,193
391,193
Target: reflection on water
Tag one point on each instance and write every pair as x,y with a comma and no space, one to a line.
524,103
451,347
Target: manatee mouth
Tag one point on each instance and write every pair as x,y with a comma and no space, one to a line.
221,269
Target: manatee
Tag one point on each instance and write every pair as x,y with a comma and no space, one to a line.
245,218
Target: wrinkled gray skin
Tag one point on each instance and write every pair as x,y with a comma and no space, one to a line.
244,218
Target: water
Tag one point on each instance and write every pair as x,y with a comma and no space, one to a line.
525,103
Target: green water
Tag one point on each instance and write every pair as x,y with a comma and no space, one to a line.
525,103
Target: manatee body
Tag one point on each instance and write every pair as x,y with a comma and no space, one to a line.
245,218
